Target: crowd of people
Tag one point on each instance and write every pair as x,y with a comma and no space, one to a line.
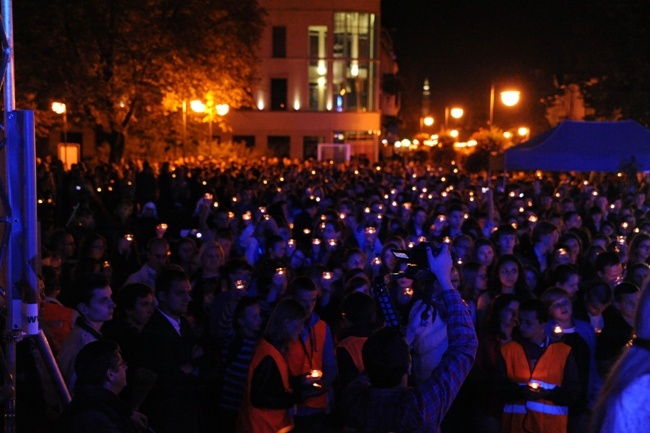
278,295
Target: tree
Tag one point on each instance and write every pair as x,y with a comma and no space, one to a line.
606,59
488,143
123,67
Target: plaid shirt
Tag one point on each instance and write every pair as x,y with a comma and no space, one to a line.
421,408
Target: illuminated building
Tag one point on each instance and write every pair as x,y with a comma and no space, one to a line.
319,79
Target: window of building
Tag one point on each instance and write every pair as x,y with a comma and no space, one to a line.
247,140
317,68
310,146
279,42
279,94
354,68
279,145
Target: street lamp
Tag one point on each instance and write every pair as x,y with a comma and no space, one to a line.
60,108
210,109
455,112
184,126
524,132
509,98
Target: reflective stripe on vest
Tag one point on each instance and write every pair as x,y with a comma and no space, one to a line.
547,408
514,408
542,384
537,407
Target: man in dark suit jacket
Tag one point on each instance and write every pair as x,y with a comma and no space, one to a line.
167,347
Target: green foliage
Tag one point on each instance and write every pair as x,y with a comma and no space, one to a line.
123,66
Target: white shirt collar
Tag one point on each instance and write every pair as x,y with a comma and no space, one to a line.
175,323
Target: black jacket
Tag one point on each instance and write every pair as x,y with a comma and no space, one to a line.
95,409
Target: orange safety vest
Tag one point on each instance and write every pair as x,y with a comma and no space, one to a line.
354,346
539,416
56,321
257,420
305,357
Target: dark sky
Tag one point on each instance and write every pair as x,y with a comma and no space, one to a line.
464,45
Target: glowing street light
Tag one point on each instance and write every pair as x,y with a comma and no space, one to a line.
60,108
524,132
222,109
509,98
455,112
197,106
210,109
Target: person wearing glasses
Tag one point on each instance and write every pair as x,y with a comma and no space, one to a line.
96,406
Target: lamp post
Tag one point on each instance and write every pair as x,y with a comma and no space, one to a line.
426,122
524,132
60,108
455,112
210,109
509,98
184,126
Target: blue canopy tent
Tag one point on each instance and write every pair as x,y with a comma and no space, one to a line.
584,146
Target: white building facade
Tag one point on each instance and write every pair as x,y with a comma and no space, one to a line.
319,79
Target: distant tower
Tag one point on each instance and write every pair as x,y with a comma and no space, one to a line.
426,98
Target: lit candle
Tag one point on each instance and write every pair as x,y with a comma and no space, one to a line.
327,275
557,330
533,385
316,374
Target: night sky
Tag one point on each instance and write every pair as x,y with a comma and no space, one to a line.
464,45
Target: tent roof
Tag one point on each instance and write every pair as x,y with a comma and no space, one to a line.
584,146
